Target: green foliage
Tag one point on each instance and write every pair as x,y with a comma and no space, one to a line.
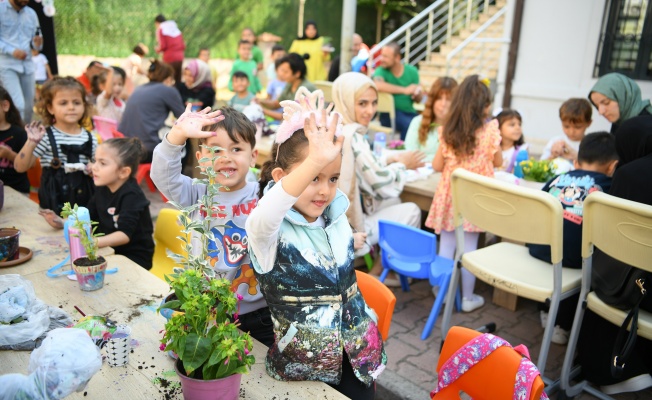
89,242
202,335
538,170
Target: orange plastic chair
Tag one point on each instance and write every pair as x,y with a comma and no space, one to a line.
34,176
143,173
379,298
492,378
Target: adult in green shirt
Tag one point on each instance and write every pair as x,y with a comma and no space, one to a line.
400,80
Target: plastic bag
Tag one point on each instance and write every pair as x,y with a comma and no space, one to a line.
65,362
58,319
20,305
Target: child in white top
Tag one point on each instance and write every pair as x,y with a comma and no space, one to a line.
42,71
575,115
511,134
111,82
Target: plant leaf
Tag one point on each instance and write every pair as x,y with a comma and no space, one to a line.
196,351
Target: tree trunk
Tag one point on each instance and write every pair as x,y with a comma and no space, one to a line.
379,22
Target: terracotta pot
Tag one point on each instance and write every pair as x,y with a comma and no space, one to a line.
215,389
90,277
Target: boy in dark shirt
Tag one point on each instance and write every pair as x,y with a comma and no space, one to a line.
595,164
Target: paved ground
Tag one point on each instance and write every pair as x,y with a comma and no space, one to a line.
411,370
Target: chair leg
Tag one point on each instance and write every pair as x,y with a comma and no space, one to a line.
436,308
450,299
150,183
369,261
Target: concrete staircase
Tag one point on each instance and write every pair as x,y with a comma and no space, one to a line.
477,55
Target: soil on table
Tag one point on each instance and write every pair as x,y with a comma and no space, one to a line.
85,262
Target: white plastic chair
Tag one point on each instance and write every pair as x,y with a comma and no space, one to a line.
522,215
622,229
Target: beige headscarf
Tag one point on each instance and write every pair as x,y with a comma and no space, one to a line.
346,89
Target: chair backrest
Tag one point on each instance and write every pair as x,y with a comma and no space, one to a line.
327,88
407,243
491,378
105,126
620,228
166,231
380,298
507,210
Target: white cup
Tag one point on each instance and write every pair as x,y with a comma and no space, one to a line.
117,349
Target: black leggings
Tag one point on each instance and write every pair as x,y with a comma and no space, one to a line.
259,325
351,386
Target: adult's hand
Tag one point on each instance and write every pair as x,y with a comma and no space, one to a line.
411,159
19,54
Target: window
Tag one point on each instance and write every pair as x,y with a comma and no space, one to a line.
626,40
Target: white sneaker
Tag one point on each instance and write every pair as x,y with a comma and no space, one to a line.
630,385
559,335
435,292
472,303
544,318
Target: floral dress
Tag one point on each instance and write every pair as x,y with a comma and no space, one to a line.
440,216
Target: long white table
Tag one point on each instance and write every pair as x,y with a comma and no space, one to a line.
130,296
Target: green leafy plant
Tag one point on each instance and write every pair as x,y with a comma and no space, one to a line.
538,170
201,334
86,233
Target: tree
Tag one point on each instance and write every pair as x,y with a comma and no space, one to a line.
385,7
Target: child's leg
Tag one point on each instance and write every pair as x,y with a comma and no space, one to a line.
447,247
351,386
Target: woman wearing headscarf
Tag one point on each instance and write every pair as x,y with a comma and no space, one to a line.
313,45
618,99
632,181
197,86
364,177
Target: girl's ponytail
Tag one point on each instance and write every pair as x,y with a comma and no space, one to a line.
266,175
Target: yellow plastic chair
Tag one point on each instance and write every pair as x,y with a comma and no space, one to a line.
385,105
166,231
520,214
327,88
623,230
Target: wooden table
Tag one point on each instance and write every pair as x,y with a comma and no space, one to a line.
130,296
422,191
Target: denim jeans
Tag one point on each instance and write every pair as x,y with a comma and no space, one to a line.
21,88
401,122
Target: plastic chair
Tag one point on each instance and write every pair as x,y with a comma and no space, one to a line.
519,214
378,297
327,88
34,176
166,231
492,378
411,252
385,105
622,229
105,127
143,173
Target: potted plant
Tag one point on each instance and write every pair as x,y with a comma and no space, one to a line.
89,269
538,170
212,352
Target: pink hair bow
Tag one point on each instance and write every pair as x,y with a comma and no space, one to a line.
296,111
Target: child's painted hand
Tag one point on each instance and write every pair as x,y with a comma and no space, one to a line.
321,148
358,240
51,218
190,124
35,132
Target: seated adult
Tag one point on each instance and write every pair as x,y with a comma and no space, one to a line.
618,99
402,81
632,181
149,107
197,87
372,185
291,70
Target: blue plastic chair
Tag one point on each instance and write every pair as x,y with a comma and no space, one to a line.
411,252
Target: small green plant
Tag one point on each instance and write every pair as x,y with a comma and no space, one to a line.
538,170
86,230
202,335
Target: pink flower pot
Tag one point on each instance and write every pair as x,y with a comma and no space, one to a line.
215,389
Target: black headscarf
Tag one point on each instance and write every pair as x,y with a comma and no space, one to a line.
308,23
634,139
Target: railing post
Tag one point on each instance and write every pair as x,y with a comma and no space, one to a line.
486,6
431,16
408,35
469,6
449,27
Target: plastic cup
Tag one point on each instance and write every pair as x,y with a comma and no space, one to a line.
118,347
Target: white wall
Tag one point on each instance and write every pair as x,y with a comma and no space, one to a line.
556,58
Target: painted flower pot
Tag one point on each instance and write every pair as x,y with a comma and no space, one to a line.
215,389
9,240
90,277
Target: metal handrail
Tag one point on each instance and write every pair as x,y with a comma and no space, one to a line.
472,37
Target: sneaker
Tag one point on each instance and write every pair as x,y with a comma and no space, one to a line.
630,385
435,292
559,335
543,315
472,303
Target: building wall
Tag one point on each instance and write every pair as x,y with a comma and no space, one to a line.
556,58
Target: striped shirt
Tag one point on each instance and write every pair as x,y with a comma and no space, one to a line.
44,149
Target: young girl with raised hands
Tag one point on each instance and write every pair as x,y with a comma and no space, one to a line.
511,134
109,102
301,246
469,140
12,139
65,147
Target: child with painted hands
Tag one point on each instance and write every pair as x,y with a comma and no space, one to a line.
302,249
